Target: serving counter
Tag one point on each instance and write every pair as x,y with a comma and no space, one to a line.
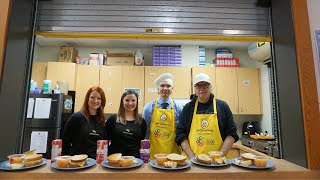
283,170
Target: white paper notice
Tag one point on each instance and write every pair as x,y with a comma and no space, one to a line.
30,107
39,141
42,108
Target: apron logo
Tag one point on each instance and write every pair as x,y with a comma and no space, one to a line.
204,123
163,118
199,141
94,131
157,133
127,130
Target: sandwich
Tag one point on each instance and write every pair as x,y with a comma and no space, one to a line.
15,166
179,159
32,160
248,157
203,158
220,160
78,160
170,164
114,159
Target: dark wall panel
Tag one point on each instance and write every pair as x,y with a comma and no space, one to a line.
286,71
15,77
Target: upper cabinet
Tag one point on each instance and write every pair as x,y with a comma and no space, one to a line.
249,91
110,82
227,87
87,76
181,81
39,72
151,73
66,72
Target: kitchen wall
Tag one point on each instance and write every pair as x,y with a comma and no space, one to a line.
190,56
314,14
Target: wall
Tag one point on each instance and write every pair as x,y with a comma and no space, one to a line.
189,58
314,14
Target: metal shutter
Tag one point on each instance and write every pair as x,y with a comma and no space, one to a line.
215,17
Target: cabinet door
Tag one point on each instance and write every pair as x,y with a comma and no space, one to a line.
61,71
181,81
110,82
133,78
39,72
249,91
210,71
227,90
151,74
87,76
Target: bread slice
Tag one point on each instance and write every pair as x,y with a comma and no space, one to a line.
32,163
179,159
114,159
33,157
248,156
220,160
246,162
203,158
15,166
79,158
31,152
170,164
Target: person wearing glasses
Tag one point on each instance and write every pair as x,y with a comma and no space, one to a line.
206,123
162,116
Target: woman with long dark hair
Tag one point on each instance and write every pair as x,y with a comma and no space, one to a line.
86,127
126,129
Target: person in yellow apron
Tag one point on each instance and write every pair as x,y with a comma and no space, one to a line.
162,116
206,123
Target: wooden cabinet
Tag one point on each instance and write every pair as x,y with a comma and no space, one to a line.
181,81
87,76
59,71
133,78
210,71
227,87
249,91
39,72
151,73
110,82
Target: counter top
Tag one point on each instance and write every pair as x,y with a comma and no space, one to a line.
283,169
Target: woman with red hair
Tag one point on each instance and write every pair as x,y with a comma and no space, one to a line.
86,127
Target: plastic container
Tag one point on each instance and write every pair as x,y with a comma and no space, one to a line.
138,58
47,87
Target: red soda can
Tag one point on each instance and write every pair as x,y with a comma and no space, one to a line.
102,150
56,149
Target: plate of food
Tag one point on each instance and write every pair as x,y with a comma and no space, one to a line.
250,161
170,162
18,162
205,160
117,161
76,162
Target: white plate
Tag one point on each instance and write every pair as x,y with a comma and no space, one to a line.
5,166
154,164
270,164
90,162
195,161
139,163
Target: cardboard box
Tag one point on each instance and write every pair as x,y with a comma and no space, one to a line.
120,59
67,54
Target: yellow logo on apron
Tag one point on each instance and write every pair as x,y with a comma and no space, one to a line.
204,123
163,118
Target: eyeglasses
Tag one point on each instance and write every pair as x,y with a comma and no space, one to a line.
203,86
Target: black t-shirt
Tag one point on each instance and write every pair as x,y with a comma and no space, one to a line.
126,138
227,126
80,135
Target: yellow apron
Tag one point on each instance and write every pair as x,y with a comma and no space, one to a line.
162,131
204,133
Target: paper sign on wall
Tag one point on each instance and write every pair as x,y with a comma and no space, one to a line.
39,141
30,108
42,108
152,90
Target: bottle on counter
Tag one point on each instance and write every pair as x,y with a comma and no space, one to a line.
145,150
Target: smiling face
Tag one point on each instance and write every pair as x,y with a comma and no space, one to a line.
165,90
203,90
94,102
130,102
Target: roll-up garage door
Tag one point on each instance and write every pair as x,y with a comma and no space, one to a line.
211,17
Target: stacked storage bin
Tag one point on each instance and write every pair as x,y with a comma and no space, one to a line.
166,56
202,56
